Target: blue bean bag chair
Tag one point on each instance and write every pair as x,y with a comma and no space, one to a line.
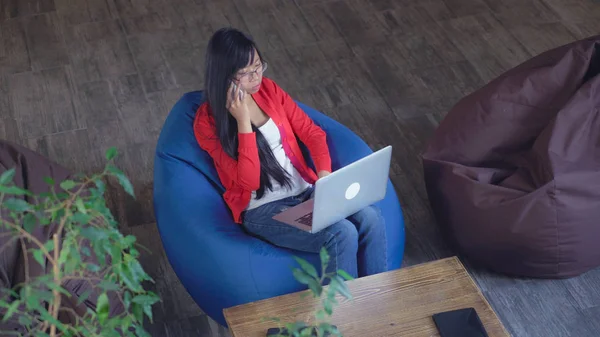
218,263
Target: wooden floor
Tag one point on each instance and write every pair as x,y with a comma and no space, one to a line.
78,76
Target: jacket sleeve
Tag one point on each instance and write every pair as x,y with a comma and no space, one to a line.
309,133
243,172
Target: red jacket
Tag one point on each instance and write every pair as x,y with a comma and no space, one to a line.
241,177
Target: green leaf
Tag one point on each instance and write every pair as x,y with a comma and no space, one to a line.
80,206
92,267
14,190
33,301
67,184
84,296
86,251
137,270
107,285
320,315
45,315
49,245
134,252
94,234
138,312
128,240
331,297
7,176
315,287
341,286
109,326
11,310
139,330
40,334
73,261
38,255
324,257
99,253
306,333
111,153
44,221
127,299
45,295
81,218
307,267
102,308
115,253
29,222
148,312
329,328
147,299
64,253
17,205
301,276
345,275
123,180
125,323
101,186
57,214
129,280
49,181
328,306
25,320
54,286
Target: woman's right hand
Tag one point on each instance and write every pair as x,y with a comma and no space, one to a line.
236,104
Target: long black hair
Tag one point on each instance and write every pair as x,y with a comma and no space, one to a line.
228,51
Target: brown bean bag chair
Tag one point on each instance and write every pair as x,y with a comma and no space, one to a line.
513,171
31,168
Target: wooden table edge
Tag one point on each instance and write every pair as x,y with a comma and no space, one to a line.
454,259
485,300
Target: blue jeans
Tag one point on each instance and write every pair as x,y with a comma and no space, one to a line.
356,244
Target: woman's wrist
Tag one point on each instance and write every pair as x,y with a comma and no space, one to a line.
244,125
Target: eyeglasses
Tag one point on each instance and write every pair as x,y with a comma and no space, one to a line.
249,75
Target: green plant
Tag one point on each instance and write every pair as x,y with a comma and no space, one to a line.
86,245
325,287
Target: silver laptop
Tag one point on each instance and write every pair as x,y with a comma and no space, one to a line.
342,193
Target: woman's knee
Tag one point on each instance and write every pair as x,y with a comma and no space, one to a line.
344,232
368,219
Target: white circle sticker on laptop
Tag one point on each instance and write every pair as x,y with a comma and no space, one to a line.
352,191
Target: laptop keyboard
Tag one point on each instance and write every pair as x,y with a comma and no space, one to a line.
306,219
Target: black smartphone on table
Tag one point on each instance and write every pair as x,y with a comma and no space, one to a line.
460,323
277,332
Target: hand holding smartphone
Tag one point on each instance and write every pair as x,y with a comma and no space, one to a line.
237,92
236,103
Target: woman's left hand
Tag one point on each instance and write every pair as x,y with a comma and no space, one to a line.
323,174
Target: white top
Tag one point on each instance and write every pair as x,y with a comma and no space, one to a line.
273,137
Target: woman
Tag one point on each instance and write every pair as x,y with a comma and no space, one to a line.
249,125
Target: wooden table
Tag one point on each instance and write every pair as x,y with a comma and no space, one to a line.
395,303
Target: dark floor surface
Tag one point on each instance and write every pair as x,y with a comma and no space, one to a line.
78,76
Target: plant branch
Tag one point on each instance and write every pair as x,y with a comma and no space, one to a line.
30,238
6,234
55,267
26,260
78,321
8,243
62,209
57,298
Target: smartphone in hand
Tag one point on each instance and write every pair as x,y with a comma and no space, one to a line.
237,91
